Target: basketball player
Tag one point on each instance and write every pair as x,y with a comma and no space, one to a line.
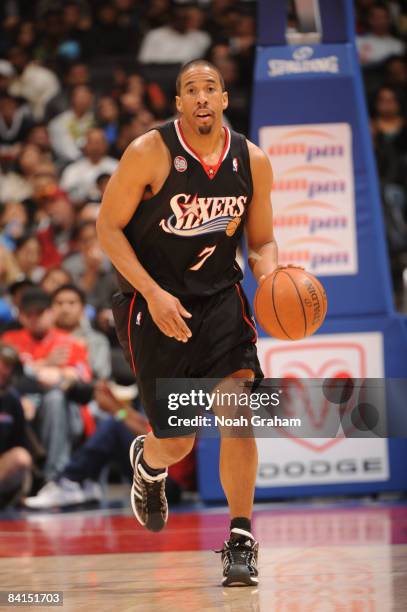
172,216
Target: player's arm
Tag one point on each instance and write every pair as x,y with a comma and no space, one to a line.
137,170
262,247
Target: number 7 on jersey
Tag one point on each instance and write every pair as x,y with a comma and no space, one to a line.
205,253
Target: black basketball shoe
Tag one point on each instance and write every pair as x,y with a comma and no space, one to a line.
239,558
148,498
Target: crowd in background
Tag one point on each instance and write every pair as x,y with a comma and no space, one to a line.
79,80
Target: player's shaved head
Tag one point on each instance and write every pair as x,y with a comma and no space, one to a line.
196,64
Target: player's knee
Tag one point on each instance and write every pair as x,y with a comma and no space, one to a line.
177,448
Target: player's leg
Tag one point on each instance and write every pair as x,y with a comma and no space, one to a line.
238,468
152,356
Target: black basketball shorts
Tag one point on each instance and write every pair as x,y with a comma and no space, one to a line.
223,341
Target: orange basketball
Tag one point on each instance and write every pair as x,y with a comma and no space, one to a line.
290,304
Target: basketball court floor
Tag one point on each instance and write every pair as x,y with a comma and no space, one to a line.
344,557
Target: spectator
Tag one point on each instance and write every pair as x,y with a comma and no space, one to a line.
77,26
8,274
91,210
180,41
77,73
6,75
107,117
27,255
55,234
68,303
14,294
53,361
390,136
79,178
77,484
101,184
110,37
68,130
33,82
15,460
396,77
14,223
38,136
54,278
15,121
389,132
26,37
378,43
89,267
17,184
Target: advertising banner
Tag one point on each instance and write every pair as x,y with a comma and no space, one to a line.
313,196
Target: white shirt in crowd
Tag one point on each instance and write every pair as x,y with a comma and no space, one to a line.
67,134
79,178
37,85
374,49
167,46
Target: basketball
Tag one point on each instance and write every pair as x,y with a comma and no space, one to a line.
290,304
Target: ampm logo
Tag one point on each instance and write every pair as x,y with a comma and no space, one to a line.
311,188
313,223
302,62
313,260
309,152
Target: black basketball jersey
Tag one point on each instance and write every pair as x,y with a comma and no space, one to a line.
187,234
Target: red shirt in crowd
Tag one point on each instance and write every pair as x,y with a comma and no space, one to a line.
34,349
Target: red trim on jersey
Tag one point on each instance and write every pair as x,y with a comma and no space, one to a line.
210,170
129,331
244,313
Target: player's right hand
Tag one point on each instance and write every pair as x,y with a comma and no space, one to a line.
168,314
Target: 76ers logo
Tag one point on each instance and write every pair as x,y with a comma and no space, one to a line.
194,215
180,163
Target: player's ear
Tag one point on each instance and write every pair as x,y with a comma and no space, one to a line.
225,100
178,104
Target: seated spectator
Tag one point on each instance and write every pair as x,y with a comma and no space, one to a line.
396,77
377,44
78,482
15,121
109,36
6,75
14,223
180,41
389,131
55,233
79,178
8,274
38,135
15,460
27,256
107,118
76,26
390,135
68,304
33,82
77,73
90,268
53,361
68,130
13,298
54,278
91,210
101,184
17,184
